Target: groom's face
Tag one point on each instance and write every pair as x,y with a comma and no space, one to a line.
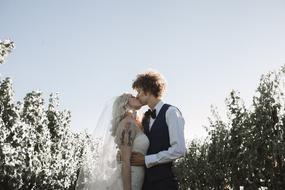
142,97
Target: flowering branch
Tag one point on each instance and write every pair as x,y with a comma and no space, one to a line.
6,47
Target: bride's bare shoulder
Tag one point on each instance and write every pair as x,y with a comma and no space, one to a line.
126,122
130,121
126,126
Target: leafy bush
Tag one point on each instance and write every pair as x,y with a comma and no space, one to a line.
38,150
246,150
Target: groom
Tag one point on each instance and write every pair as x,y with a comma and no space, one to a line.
164,126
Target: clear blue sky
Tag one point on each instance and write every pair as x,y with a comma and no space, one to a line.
90,51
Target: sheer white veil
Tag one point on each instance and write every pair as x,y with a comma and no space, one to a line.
100,167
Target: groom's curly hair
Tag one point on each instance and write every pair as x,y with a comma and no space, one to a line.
152,82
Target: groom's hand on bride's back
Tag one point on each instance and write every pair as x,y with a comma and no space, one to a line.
137,159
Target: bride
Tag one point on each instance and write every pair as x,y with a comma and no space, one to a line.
119,128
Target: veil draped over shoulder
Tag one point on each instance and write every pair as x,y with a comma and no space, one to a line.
100,169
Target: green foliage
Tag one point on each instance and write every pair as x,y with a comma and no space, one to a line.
192,170
6,47
246,150
37,148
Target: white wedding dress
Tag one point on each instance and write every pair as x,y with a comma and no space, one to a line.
100,169
140,144
114,178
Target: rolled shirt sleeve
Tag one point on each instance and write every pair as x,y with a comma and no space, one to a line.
177,149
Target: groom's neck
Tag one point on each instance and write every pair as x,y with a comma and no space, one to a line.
153,103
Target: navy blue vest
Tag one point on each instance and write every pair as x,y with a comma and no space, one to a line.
159,140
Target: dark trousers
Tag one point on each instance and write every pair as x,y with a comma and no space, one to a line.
165,184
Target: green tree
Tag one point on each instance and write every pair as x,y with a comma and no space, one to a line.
218,149
266,137
63,147
246,150
192,170
239,131
11,139
34,115
38,150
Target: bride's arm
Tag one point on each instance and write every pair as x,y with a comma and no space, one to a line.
126,134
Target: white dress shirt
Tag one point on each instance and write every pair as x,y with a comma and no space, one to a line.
177,149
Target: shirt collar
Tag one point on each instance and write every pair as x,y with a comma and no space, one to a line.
158,106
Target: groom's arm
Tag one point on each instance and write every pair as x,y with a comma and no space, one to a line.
177,149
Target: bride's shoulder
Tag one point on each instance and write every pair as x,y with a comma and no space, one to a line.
124,123
126,119
126,126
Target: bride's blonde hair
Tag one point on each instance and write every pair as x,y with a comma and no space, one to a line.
120,109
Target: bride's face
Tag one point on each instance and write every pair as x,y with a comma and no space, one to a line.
134,103
142,97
